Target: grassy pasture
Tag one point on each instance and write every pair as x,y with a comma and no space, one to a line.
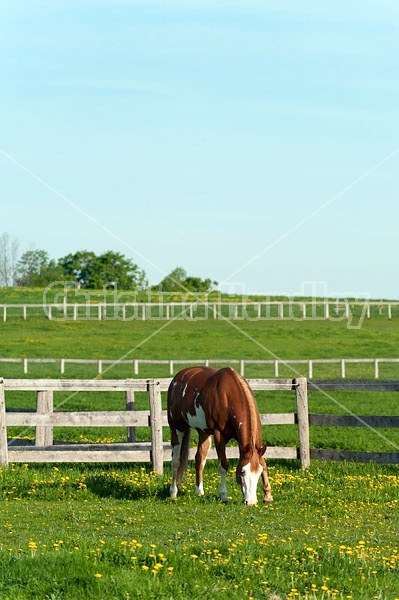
200,339
111,533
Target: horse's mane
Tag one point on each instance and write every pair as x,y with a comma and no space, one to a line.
252,408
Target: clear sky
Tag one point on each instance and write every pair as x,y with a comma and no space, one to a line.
254,142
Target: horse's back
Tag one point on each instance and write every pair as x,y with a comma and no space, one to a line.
227,382
191,377
219,393
199,374
222,383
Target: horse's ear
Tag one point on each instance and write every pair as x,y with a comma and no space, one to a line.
262,450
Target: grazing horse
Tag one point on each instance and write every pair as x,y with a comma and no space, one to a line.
219,403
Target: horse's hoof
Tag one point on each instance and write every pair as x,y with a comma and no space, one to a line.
267,499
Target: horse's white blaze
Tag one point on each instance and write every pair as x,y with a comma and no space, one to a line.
198,420
249,483
184,391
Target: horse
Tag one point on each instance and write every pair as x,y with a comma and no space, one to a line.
219,403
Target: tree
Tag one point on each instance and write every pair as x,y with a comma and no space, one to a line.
78,267
196,284
94,272
114,268
174,281
179,281
8,260
36,269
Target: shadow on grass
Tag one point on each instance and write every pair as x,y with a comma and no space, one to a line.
139,484
112,485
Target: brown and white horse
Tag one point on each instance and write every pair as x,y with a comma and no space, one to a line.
218,403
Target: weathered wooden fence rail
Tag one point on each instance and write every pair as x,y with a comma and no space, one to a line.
352,420
239,364
157,451
338,309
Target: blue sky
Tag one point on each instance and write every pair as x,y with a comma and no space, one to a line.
252,142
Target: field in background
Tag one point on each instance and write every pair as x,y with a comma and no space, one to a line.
377,337
21,295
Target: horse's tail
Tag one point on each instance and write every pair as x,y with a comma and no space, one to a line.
184,448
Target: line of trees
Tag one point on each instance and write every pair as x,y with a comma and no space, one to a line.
34,268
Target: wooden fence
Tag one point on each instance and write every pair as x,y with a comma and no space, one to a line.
239,364
157,451
262,310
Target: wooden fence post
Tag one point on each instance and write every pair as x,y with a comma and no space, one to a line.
3,427
301,392
44,435
154,392
131,431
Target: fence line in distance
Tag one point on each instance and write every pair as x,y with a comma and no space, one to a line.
241,364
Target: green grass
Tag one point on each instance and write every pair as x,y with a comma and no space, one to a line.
199,339
112,533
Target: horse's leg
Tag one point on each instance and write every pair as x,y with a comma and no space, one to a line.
266,483
220,444
176,441
204,443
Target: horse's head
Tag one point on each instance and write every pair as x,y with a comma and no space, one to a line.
249,469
